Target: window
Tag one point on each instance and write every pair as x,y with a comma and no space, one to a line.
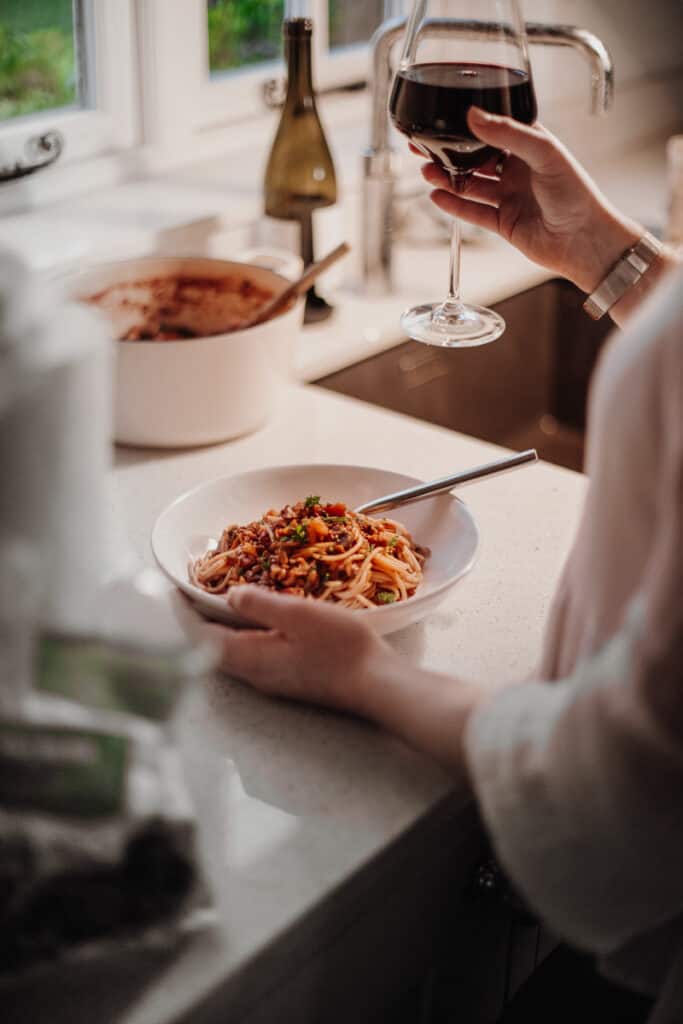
67,65
209,62
243,32
108,74
38,69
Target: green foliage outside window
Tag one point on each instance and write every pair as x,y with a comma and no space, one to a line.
37,57
37,53
243,32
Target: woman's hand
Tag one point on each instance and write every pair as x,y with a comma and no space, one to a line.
315,652
309,650
543,202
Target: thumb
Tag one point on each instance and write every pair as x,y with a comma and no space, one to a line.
294,616
532,144
265,607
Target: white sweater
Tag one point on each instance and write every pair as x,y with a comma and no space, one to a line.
581,782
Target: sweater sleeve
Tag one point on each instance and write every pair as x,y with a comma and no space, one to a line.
581,781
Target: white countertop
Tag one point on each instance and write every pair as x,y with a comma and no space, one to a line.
294,802
297,805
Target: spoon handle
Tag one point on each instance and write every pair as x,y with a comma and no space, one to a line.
447,483
301,285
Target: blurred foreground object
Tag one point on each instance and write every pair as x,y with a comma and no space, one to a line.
674,228
97,831
55,430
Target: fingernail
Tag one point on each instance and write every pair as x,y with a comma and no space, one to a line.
480,115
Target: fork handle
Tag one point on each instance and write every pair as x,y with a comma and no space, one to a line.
447,483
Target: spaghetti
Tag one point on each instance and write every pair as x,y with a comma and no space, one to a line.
319,550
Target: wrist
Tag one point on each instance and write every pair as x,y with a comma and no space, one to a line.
626,279
608,243
426,709
374,684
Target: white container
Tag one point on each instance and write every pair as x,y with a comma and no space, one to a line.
197,390
55,443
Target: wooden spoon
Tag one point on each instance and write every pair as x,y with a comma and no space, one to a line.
296,288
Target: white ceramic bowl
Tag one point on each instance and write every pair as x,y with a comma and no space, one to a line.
196,390
194,522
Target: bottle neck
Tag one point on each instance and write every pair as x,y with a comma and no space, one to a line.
299,63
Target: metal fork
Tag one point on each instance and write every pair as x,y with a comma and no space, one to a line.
446,483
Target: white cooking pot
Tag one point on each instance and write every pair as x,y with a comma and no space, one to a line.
195,390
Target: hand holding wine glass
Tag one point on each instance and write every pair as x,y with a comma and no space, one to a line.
448,66
543,201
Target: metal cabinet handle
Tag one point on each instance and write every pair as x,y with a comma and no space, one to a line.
40,150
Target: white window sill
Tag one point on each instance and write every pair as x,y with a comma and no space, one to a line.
143,200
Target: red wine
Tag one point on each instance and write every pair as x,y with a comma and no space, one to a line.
429,104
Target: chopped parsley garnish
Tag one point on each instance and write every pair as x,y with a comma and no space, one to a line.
312,500
299,533
335,519
394,541
385,597
265,563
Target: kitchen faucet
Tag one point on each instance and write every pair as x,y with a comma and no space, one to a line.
379,180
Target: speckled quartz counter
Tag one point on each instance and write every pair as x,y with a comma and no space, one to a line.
323,837
331,848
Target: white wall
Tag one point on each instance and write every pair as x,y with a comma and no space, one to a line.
645,36
645,40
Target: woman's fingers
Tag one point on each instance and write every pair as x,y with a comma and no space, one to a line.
296,617
481,190
265,608
531,143
473,212
474,187
491,167
253,655
436,176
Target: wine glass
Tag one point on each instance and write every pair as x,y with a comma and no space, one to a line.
449,63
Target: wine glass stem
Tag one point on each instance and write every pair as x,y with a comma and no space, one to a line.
453,299
451,309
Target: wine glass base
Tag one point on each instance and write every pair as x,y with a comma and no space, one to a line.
473,325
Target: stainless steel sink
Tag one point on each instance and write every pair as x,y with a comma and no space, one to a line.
527,390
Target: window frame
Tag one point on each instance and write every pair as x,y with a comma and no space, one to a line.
150,102
108,119
182,100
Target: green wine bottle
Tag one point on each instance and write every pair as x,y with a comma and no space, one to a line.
300,176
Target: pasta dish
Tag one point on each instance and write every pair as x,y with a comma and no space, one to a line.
319,550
